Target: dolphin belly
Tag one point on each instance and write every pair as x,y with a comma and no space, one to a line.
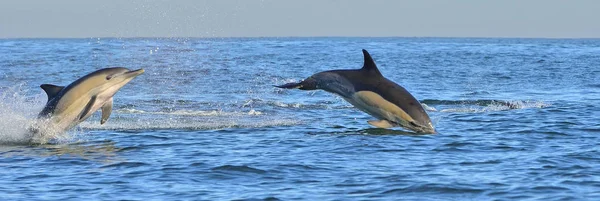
375,105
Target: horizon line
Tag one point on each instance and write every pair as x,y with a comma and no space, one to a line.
255,37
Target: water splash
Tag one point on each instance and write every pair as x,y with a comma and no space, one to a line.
18,112
428,108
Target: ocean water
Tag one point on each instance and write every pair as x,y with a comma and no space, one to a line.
518,119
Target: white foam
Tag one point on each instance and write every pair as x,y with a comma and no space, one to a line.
198,124
254,112
499,106
428,108
286,105
285,81
135,119
18,114
191,112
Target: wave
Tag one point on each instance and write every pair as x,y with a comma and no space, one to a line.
480,105
248,103
480,102
431,105
593,85
187,124
134,119
300,105
238,168
190,112
286,105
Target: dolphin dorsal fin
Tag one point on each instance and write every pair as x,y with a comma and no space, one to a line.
51,90
369,64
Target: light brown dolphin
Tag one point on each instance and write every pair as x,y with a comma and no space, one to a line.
70,105
369,91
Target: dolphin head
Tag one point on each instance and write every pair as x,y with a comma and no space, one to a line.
110,79
117,74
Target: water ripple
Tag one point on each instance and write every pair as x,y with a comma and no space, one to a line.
241,168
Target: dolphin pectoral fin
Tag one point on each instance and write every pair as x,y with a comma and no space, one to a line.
292,85
87,109
51,90
381,123
106,110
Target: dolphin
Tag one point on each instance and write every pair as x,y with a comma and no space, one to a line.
70,105
370,92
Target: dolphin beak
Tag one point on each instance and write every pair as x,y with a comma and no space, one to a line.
429,129
134,73
424,129
432,131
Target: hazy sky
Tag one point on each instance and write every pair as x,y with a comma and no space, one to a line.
231,18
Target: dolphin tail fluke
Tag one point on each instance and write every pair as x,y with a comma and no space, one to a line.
293,85
381,123
106,110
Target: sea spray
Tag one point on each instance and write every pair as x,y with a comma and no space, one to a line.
18,118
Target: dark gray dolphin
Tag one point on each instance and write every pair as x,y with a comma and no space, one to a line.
372,93
70,105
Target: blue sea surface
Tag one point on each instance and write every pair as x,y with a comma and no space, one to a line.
518,119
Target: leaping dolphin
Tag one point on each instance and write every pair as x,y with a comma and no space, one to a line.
70,105
369,91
